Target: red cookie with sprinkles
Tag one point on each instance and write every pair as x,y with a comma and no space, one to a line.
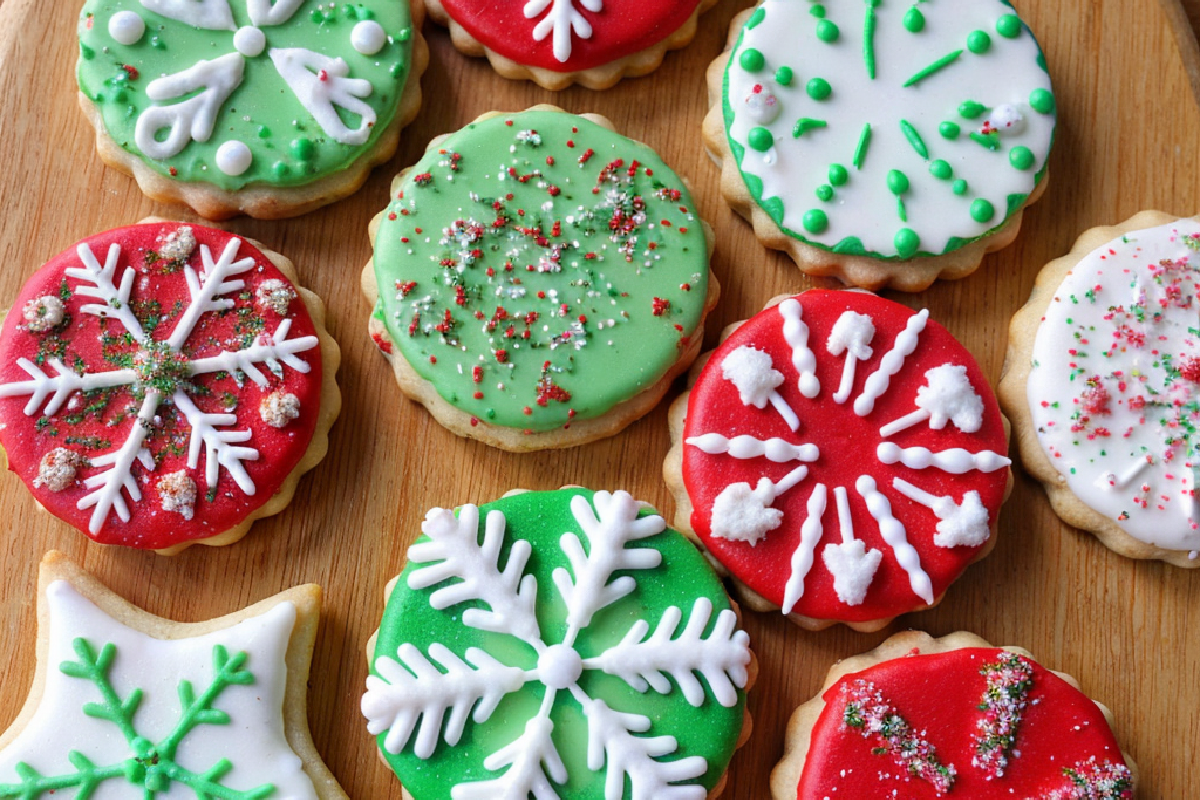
923,718
556,43
842,457
163,385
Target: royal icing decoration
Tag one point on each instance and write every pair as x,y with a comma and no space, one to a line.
123,714
539,269
576,681
1114,390
977,723
314,82
888,129
146,395
858,484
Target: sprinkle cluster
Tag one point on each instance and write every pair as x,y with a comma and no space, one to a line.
1093,781
1009,681
867,712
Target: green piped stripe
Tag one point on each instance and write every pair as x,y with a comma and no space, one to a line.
933,68
869,39
914,138
804,125
864,142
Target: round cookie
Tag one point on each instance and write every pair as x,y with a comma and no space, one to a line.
557,43
580,680
924,718
886,144
1102,380
163,385
538,280
270,109
842,457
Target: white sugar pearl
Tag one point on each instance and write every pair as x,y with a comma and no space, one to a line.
126,27
234,157
368,37
249,41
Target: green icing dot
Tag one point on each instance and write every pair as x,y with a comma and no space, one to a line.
827,31
815,221
87,52
941,170
1021,158
818,89
907,241
756,18
914,20
303,149
264,132
897,182
982,210
1009,26
972,110
818,11
979,42
784,76
752,60
838,175
949,130
825,192
1042,101
761,139
960,187
280,169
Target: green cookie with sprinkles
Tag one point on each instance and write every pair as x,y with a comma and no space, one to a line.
270,108
887,143
538,280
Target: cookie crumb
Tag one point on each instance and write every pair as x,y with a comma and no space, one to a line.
276,295
57,469
178,493
279,408
178,245
43,313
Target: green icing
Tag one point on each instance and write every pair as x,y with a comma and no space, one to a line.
287,144
539,268
540,519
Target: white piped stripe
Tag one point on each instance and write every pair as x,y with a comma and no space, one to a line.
795,333
894,533
891,363
956,461
744,447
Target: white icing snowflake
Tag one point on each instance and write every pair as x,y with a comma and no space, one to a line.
156,364
411,698
561,20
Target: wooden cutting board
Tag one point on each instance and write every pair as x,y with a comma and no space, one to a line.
1127,141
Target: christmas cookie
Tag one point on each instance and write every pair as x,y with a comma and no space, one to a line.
164,384
1103,383
886,144
127,704
842,456
538,280
556,43
923,718
512,659
264,107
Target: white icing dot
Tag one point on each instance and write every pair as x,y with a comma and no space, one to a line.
249,41
234,157
368,37
126,27
559,667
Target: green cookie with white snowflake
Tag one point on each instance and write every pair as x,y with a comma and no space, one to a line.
886,142
264,107
558,644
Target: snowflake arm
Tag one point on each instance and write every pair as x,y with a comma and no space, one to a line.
612,525
530,759
192,119
95,667
219,446
274,351
721,658
97,281
208,296
227,671
414,690
85,780
322,86
453,551
60,386
562,19
266,12
106,486
213,15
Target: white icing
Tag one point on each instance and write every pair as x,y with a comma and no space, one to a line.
250,41
802,559
946,397
852,335
896,536
776,450
960,524
234,157
56,470
1007,120
956,460
561,20
852,566
178,493
368,37
795,333
321,85
757,381
213,15
43,313
272,12
126,27
1114,419
761,106
194,118
254,741
744,514
279,408
530,759
864,207
891,363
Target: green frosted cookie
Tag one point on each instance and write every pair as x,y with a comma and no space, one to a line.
578,647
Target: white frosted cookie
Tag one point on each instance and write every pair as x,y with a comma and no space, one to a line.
1103,383
886,144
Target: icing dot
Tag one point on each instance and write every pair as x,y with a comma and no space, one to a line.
960,187
280,169
752,60
784,76
972,110
818,11
949,130
303,149
234,157
368,37
761,139
982,210
1042,101
979,42
756,18
762,107
1009,26
815,221
941,170
818,89
249,41
126,27
897,182
907,241
838,175
827,31
559,667
1021,157
825,192
914,20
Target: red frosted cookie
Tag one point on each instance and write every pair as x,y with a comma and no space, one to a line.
165,384
842,457
559,42
923,718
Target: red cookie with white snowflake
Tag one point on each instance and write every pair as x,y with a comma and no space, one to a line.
556,43
163,385
842,457
924,718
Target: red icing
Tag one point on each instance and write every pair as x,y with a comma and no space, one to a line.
150,526
848,445
938,695
621,28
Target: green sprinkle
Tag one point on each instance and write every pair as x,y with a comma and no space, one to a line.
979,42
264,132
752,60
1009,26
901,209
914,20
815,221
934,68
827,31
949,130
982,210
990,141
1042,101
1021,158
756,18
941,170
804,125
817,11
897,182
907,241
972,110
914,139
825,192
864,142
784,76
280,169
405,35
819,89
838,175
869,38
303,149
87,52
761,139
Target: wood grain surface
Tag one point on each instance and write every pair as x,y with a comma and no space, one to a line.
1127,141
